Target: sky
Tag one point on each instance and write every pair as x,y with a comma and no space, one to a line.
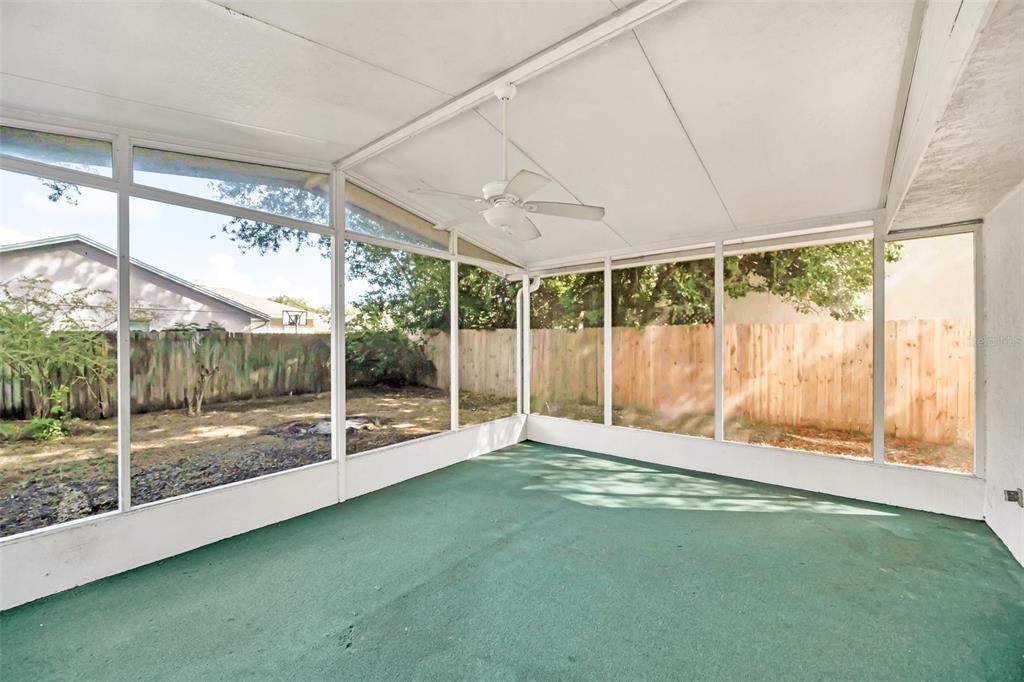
181,241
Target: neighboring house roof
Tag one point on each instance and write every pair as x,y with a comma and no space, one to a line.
273,309
209,292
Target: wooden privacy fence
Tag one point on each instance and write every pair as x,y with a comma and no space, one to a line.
786,374
166,365
487,361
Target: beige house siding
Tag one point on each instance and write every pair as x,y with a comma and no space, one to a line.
77,265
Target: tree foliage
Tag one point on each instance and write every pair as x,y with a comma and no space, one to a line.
407,291
54,340
302,304
410,291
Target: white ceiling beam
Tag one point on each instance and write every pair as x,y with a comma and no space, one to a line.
430,216
596,34
792,228
900,111
949,34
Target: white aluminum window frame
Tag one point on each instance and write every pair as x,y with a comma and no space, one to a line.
122,185
865,229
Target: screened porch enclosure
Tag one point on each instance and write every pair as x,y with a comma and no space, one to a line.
518,340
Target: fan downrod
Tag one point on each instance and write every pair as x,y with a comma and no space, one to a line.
504,91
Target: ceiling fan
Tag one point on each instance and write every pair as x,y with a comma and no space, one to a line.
504,201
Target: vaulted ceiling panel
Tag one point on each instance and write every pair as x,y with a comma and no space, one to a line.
602,126
462,155
791,105
201,59
450,46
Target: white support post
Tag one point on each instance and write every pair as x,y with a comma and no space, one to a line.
526,345
337,208
979,355
123,174
453,336
719,341
878,345
607,341
519,350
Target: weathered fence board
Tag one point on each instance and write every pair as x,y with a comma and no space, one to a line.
165,365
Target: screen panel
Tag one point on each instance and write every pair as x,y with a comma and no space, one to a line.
567,347
663,353
930,353
397,351
230,350
64,151
58,345
797,347
298,194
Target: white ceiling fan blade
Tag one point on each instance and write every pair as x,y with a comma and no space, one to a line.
442,193
525,183
579,211
524,229
455,222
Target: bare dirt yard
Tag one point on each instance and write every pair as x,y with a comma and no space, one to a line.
42,483
47,482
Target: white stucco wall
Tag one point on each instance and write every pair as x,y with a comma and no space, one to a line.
78,265
1002,333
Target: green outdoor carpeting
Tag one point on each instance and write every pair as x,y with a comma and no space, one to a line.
538,562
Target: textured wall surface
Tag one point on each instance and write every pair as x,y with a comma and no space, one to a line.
976,155
1003,338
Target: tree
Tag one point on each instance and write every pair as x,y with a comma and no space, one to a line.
54,340
486,300
410,292
302,304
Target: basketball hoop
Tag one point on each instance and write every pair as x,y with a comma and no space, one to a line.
293,318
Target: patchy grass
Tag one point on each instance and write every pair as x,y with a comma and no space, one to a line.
42,483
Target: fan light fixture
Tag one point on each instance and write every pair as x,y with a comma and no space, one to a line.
507,207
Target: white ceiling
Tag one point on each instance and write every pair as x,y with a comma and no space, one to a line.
709,118
447,46
790,104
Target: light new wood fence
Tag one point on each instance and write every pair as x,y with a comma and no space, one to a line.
787,374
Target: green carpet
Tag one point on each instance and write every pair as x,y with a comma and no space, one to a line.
538,562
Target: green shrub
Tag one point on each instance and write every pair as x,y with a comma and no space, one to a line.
46,428
56,424
384,357
9,432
